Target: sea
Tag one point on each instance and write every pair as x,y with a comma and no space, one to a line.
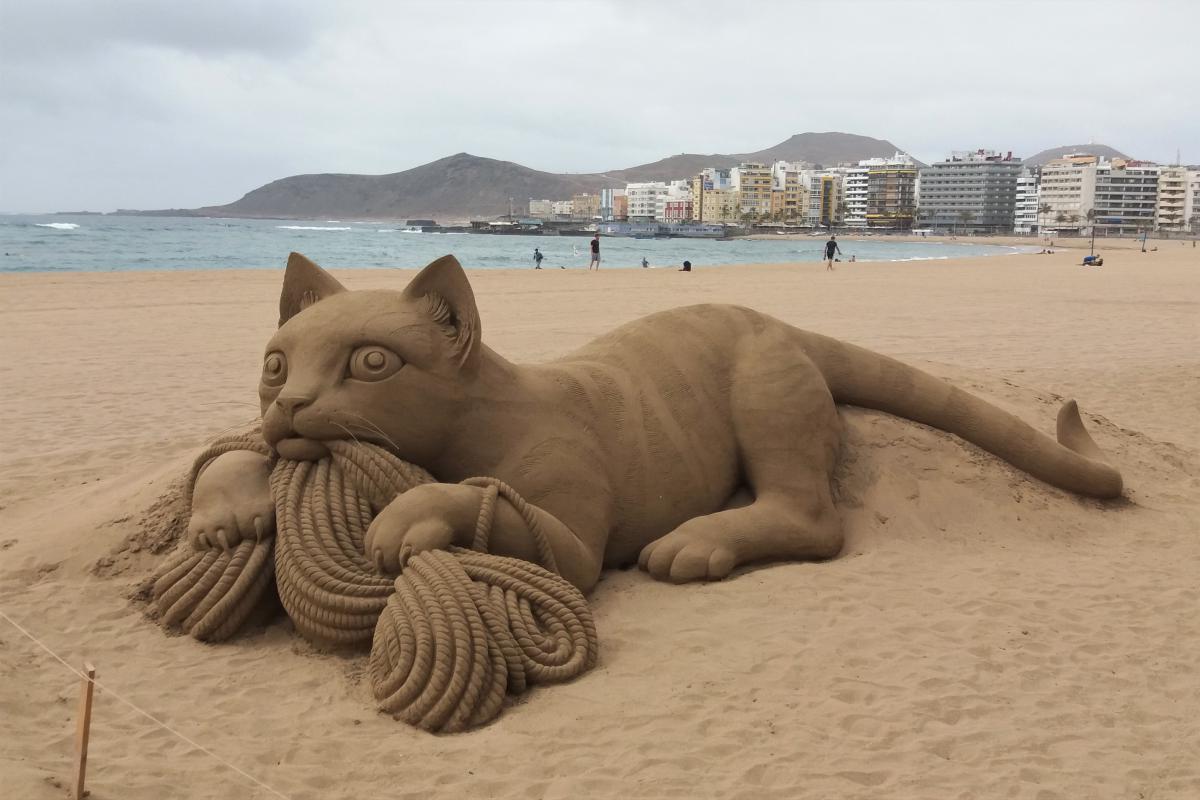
104,243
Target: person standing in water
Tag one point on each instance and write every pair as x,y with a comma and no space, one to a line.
537,258
831,247
595,262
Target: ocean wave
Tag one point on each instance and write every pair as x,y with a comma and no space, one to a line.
386,230
311,228
58,226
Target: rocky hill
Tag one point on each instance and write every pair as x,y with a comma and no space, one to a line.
1058,152
816,148
463,186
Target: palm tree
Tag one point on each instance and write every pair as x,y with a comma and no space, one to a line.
1043,210
966,216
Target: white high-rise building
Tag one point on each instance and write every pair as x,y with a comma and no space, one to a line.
1126,198
1068,187
1193,206
855,182
1027,219
1171,213
647,200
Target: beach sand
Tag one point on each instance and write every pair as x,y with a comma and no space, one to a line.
982,635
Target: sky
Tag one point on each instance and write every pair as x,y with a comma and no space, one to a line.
108,104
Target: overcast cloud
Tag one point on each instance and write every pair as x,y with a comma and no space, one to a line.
153,104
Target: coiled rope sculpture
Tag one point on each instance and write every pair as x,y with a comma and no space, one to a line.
450,636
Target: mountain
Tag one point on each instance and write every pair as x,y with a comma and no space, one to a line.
817,148
1058,152
459,185
464,186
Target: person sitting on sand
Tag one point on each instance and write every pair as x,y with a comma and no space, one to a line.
687,267
831,247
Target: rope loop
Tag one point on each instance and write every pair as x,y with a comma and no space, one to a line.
451,636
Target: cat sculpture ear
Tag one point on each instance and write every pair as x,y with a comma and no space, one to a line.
304,283
444,288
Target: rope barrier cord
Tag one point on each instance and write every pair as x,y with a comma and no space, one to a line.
451,635
124,701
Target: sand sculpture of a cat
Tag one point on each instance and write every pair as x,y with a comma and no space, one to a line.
692,440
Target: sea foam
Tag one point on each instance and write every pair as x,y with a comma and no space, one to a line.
58,226
311,228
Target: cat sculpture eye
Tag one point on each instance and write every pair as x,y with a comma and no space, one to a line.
373,363
274,369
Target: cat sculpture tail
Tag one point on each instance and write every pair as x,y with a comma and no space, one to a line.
859,377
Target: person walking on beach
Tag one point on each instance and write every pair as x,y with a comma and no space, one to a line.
831,247
595,262
645,263
537,258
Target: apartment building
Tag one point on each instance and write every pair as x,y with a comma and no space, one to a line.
1126,197
711,203
891,192
541,208
855,181
585,206
677,210
563,208
789,190
1068,188
971,191
824,196
714,199
753,182
1171,213
1026,218
620,206
646,200
1193,194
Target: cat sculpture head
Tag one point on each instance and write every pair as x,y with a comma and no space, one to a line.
383,366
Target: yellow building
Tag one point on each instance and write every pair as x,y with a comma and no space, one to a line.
789,202
585,206
754,182
714,205
822,199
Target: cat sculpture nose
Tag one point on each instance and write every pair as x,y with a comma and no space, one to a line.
291,403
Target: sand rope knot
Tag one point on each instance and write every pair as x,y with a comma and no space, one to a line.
451,635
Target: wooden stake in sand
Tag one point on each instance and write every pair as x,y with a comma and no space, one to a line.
84,729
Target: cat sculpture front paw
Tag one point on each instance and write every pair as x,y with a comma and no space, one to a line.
231,502
432,516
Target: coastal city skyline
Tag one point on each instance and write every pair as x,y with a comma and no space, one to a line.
195,106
